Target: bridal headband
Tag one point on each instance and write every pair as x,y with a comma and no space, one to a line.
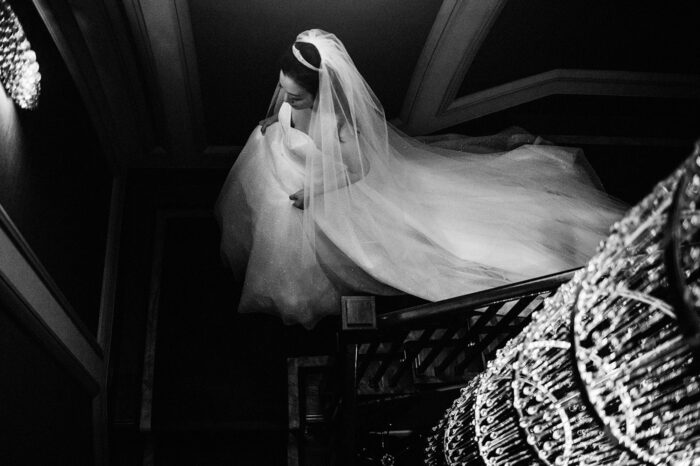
302,60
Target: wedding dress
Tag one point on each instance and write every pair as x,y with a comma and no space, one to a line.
425,220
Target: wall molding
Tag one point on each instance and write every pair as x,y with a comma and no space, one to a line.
44,315
460,28
149,354
106,318
94,49
566,82
164,34
111,265
452,44
17,244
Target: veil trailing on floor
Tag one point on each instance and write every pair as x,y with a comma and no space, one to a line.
395,206
385,213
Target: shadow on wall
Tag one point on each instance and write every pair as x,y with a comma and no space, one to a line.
11,140
54,190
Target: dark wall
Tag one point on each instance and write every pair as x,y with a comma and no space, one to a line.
534,36
635,117
54,182
239,44
46,415
627,171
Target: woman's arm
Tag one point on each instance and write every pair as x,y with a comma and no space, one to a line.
353,158
267,122
354,167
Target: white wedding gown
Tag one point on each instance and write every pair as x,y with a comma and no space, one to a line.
465,223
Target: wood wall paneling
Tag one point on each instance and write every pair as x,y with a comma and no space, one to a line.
55,182
475,63
45,411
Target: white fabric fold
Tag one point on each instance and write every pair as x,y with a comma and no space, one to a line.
386,213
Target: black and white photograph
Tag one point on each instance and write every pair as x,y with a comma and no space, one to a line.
349,233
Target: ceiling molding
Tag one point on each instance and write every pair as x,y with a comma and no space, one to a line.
164,35
95,47
432,103
569,82
189,57
454,40
64,31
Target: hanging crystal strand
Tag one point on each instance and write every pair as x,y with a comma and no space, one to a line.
683,252
635,363
500,438
548,400
19,71
453,440
605,374
434,454
460,444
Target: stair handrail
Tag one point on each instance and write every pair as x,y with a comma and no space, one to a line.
393,327
455,306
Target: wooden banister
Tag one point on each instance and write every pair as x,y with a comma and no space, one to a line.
428,347
426,313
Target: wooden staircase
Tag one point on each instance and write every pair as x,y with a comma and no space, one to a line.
421,350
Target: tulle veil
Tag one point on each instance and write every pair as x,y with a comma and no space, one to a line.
428,221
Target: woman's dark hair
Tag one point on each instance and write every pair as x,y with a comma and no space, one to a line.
305,77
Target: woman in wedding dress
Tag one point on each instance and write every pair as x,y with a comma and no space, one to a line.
327,199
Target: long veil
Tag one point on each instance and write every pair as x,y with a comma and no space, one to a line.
434,222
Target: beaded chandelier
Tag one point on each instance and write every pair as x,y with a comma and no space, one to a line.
608,372
19,71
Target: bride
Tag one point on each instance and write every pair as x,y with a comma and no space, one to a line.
327,199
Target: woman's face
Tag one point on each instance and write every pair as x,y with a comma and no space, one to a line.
298,97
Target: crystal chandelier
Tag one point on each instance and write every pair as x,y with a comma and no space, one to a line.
608,372
19,71
636,367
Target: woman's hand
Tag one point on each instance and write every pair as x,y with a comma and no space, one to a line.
267,122
298,199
